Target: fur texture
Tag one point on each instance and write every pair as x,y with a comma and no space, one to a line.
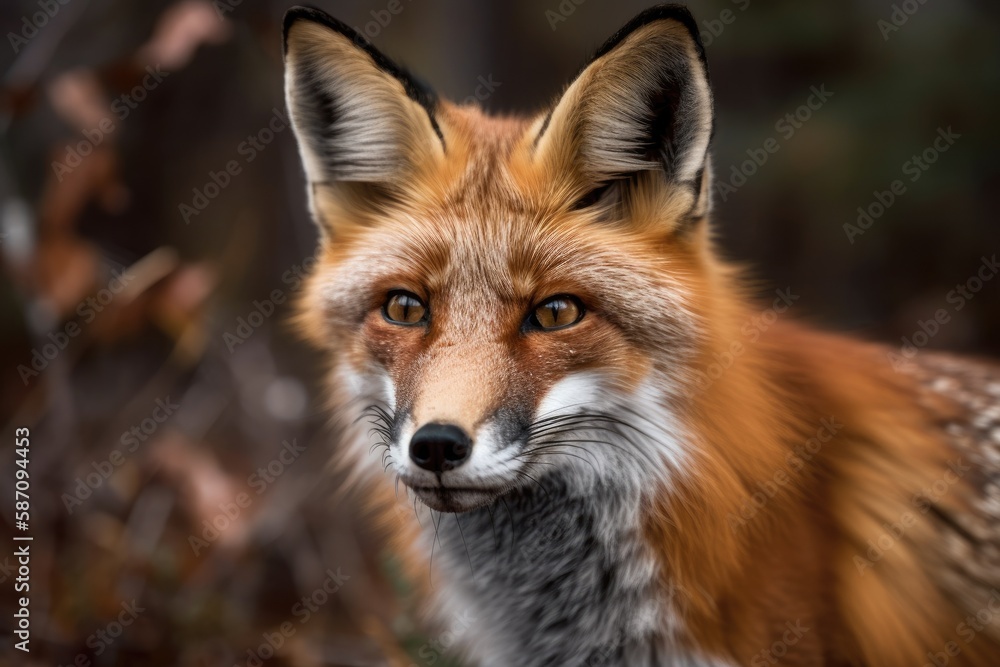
645,486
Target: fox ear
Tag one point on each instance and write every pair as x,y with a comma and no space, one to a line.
643,104
357,116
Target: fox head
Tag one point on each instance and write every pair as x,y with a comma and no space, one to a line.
509,297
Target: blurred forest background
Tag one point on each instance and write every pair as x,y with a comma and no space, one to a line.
160,405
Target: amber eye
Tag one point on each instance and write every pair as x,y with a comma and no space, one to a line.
404,308
556,312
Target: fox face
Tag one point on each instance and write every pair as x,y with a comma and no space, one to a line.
508,296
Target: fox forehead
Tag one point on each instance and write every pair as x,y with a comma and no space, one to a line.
477,266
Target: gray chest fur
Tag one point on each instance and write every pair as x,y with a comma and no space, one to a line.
553,577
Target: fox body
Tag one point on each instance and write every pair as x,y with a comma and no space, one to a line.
531,314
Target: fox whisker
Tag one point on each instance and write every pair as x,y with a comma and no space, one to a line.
468,555
575,423
513,530
496,541
552,449
436,524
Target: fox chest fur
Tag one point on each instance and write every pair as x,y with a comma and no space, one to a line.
520,318
569,577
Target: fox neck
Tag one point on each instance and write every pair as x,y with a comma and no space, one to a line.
566,570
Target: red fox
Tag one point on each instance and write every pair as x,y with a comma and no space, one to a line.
531,313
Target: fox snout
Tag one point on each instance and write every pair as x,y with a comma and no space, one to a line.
440,447
454,469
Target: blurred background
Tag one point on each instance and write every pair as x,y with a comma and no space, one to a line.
153,231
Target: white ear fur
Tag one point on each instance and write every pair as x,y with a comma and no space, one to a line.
643,104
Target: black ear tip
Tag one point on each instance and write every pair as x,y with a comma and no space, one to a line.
665,12
672,11
315,15
299,13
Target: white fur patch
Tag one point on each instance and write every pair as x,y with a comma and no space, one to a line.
653,447
360,390
575,391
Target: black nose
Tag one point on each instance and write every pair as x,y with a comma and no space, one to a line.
439,447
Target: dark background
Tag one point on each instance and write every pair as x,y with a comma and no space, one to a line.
168,336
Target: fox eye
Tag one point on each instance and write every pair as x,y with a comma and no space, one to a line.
556,312
404,308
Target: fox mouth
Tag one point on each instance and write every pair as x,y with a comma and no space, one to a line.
455,499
